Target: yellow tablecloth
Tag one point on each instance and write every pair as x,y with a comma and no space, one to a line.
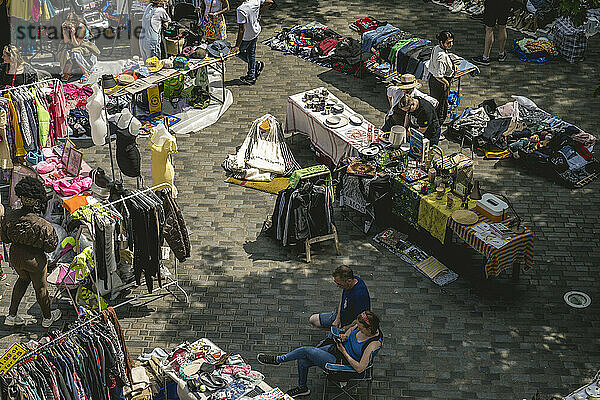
434,215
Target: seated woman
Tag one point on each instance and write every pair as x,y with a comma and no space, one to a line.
14,71
354,348
76,53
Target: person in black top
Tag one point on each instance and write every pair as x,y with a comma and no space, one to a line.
14,71
421,116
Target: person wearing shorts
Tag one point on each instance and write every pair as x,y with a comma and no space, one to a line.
496,12
355,299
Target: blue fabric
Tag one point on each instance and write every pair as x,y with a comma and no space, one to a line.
353,347
171,392
354,301
374,37
248,54
326,319
307,357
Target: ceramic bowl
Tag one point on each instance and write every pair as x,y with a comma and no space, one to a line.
356,119
337,109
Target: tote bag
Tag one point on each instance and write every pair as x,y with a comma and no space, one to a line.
264,149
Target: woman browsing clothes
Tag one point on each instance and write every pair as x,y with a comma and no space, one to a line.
213,19
31,237
441,70
14,71
354,347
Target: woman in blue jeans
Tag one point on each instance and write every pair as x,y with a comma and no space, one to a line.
355,346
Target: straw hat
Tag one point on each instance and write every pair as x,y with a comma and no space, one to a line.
406,81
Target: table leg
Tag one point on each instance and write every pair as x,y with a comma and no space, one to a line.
516,271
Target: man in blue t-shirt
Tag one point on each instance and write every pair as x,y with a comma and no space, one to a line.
355,299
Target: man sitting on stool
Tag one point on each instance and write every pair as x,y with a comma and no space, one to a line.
355,299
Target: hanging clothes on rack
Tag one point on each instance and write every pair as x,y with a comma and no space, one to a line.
302,213
84,363
174,230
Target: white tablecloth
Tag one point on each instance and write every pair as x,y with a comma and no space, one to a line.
329,141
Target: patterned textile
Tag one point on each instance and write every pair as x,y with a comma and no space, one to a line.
406,200
214,27
570,41
434,215
518,249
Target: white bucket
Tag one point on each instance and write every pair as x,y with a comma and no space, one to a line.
397,135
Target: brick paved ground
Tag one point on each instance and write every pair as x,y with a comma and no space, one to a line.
474,339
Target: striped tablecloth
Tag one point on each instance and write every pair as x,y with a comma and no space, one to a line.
519,248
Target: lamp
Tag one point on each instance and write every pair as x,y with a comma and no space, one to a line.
515,224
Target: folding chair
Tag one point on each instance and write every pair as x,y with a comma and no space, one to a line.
346,379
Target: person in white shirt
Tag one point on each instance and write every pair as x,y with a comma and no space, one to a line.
407,84
441,72
248,17
154,20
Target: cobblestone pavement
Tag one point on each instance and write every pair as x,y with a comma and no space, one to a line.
476,338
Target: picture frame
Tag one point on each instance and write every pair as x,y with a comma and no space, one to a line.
74,162
462,182
64,158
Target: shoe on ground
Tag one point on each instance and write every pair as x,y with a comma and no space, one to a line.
298,391
267,359
479,60
259,68
14,321
3,277
502,57
247,80
54,316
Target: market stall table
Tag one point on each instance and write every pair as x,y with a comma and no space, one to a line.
183,388
335,143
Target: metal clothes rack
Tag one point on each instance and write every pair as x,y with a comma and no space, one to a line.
171,281
52,80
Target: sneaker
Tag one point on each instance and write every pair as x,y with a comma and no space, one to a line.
54,316
479,60
298,391
14,321
267,359
3,277
247,80
502,57
259,68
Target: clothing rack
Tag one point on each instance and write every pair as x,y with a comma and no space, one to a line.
171,281
52,80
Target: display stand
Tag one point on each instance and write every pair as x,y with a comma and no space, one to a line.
170,281
323,238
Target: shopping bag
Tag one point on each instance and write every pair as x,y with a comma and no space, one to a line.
265,153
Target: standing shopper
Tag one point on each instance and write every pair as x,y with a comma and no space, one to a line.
154,19
248,17
496,12
441,70
213,20
31,236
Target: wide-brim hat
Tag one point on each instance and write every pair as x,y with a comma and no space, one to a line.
406,81
199,53
218,48
154,64
181,64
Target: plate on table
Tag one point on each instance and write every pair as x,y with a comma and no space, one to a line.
336,121
465,217
356,119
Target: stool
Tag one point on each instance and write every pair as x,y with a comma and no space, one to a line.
318,239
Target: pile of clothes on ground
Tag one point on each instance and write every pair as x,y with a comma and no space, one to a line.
319,44
524,131
538,50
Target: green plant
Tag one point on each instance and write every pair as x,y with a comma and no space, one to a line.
576,10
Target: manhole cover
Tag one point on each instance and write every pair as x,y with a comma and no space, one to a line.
577,299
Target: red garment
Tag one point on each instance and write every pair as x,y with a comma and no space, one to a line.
583,152
366,24
327,45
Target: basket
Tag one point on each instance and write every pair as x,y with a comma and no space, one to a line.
174,46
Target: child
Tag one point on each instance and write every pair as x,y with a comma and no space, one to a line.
248,17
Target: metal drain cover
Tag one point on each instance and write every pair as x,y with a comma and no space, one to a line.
577,299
